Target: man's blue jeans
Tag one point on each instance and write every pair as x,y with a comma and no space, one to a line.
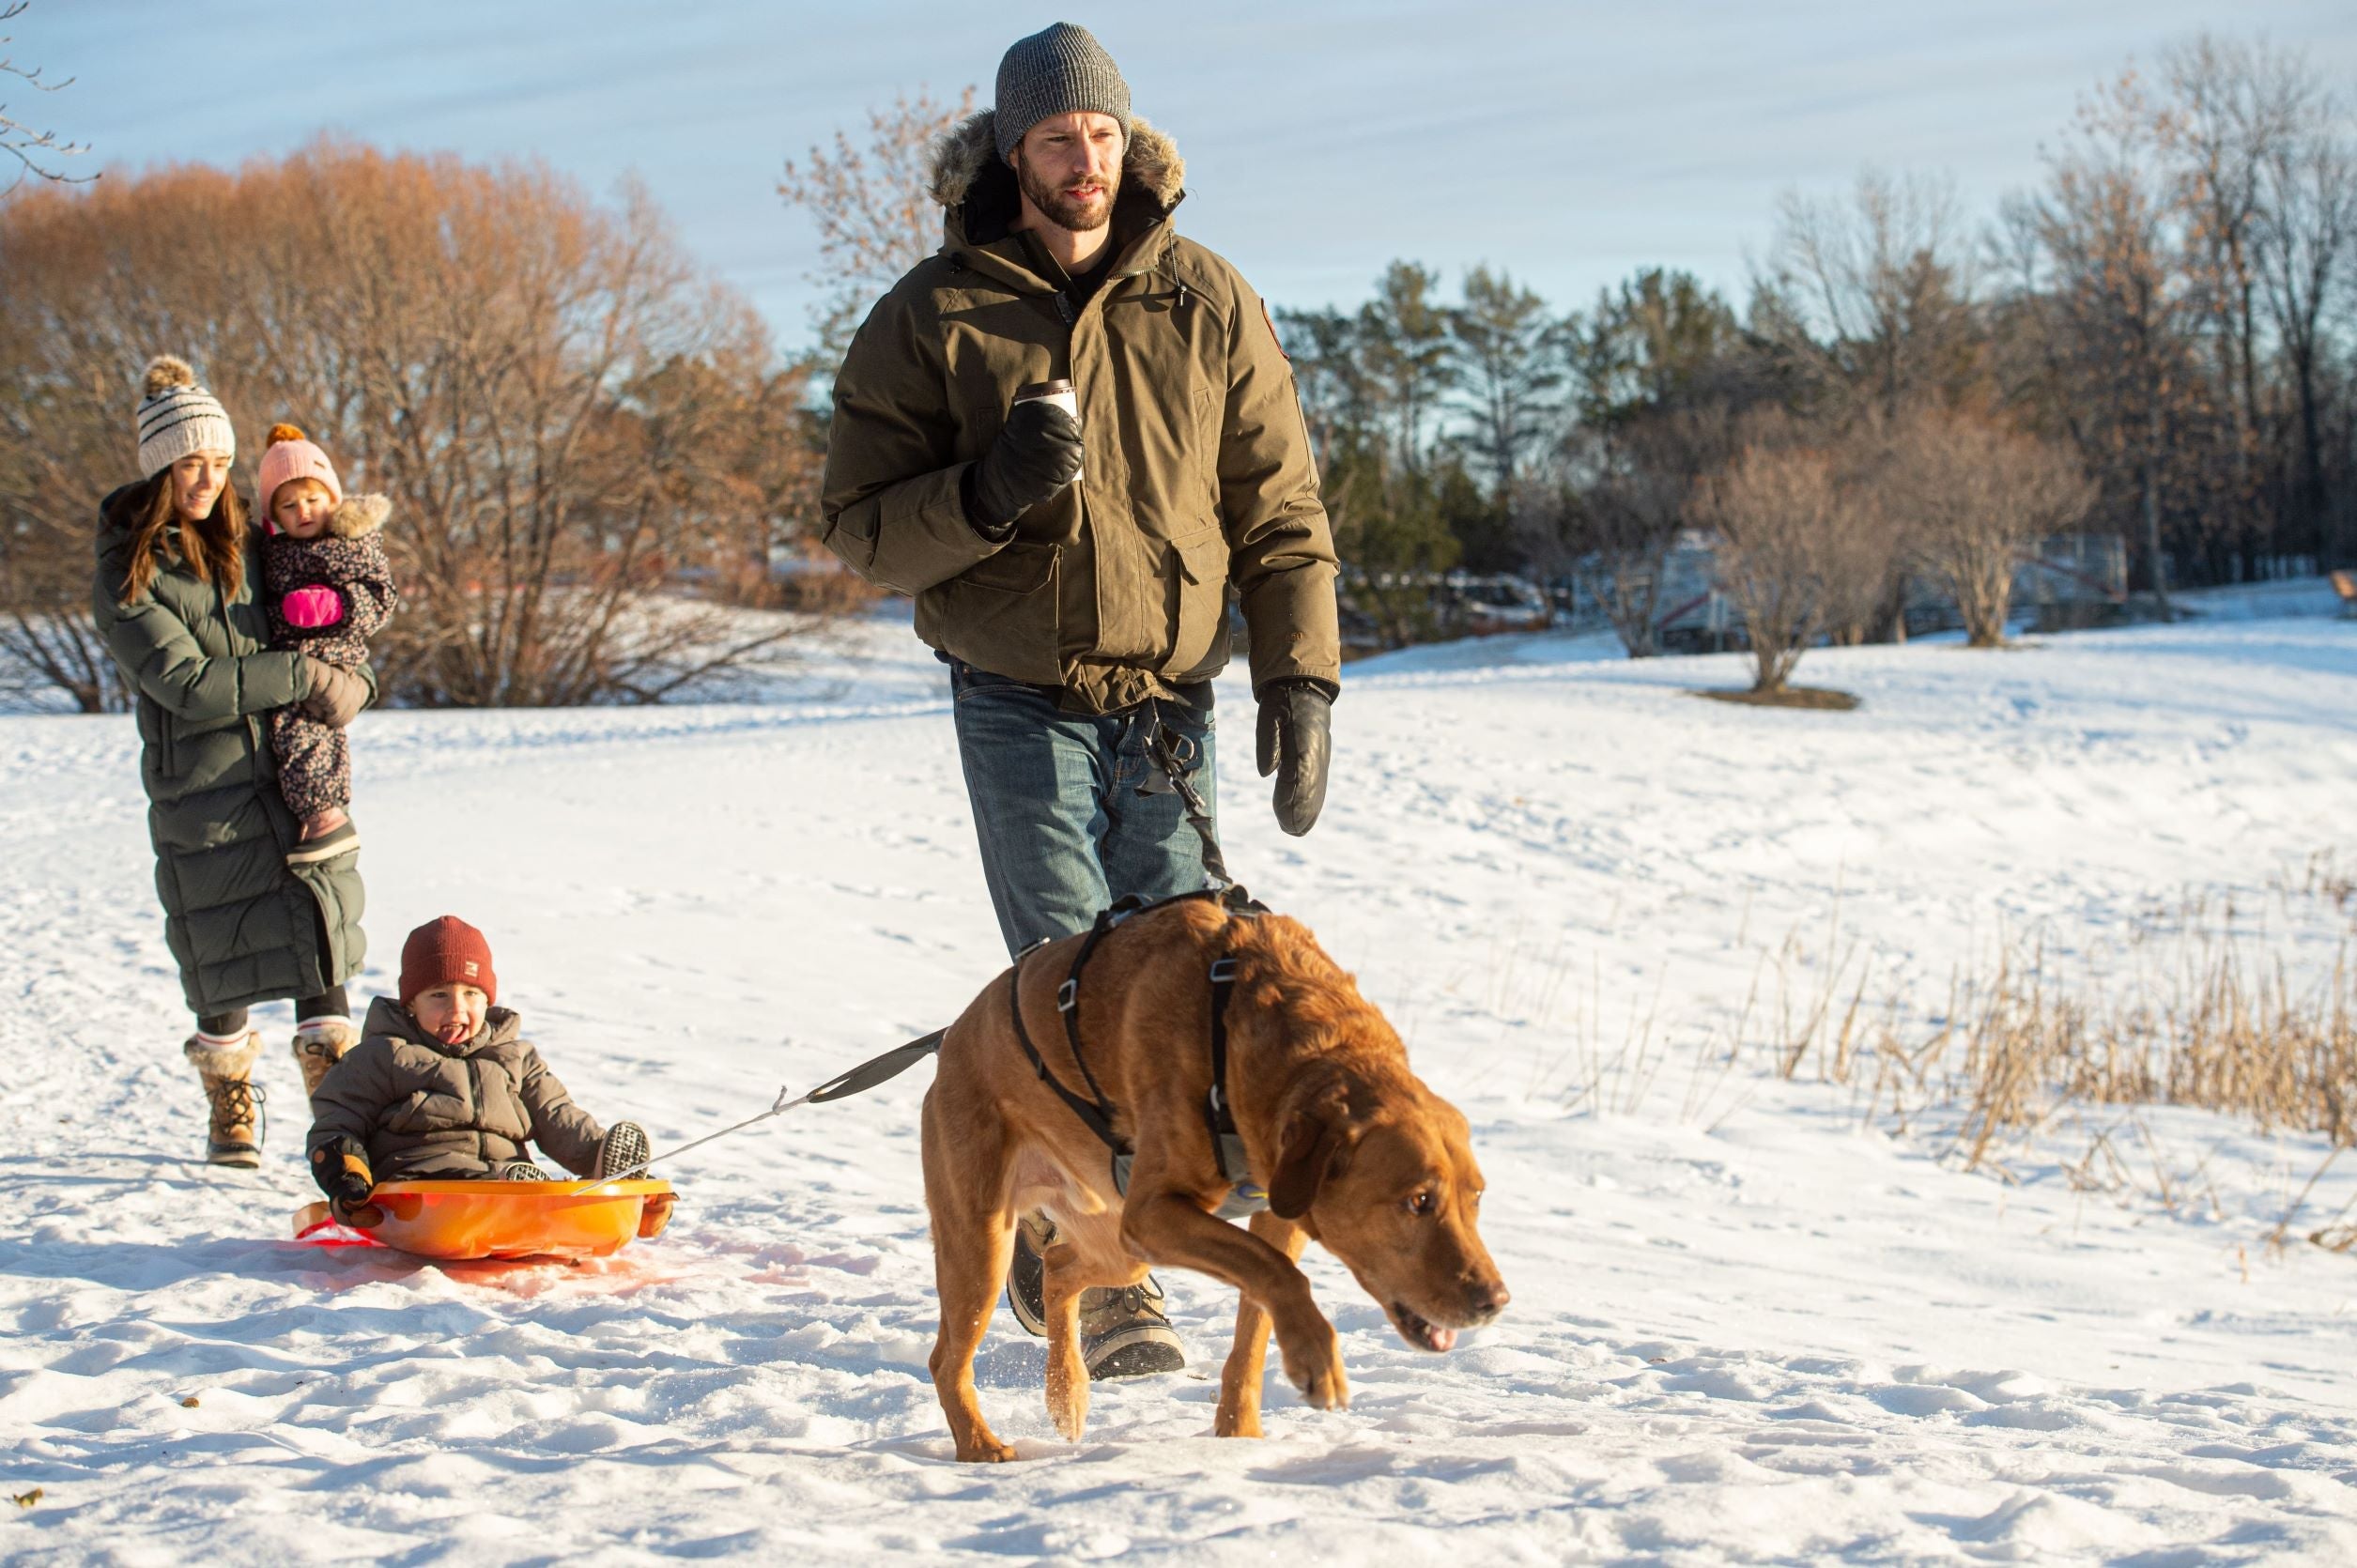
1063,827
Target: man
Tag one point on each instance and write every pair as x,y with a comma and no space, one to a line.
1074,573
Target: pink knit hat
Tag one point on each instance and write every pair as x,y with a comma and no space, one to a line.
287,457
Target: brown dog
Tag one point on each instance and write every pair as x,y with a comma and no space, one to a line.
1352,1150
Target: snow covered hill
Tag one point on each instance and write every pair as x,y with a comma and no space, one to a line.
1746,1326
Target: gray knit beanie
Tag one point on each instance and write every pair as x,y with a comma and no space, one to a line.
177,417
1057,70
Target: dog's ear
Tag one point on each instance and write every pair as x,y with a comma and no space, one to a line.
1316,1136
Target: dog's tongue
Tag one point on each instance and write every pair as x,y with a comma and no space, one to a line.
1443,1339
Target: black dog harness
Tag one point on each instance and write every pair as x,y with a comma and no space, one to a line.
1095,1112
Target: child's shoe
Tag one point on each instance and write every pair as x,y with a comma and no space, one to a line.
626,1148
319,1044
520,1170
332,845
227,1069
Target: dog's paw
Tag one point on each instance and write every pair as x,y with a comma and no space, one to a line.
1314,1366
986,1450
1068,1407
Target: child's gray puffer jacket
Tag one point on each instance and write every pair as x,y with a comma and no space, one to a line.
426,1110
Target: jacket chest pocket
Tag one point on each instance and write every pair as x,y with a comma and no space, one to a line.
1164,369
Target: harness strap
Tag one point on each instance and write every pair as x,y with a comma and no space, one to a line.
1068,995
1217,1116
1094,1114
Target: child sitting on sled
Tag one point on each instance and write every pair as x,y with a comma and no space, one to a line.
443,1088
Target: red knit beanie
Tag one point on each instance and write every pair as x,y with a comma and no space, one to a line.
447,951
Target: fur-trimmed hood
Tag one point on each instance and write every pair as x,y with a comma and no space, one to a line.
359,515
967,173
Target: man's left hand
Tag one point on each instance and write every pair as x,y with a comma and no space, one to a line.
1296,744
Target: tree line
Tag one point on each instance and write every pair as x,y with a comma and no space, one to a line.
2153,342
597,454
571,420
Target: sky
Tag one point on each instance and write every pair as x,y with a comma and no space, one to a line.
1568,144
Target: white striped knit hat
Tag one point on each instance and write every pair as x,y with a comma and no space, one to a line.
178,417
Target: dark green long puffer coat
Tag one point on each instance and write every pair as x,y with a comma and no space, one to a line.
243,926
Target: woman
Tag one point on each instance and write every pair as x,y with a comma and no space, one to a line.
177,598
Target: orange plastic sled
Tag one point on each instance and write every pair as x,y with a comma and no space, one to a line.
499,1218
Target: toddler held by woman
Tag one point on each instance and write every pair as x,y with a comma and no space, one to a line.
330,590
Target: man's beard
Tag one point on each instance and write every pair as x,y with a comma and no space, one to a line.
1077,214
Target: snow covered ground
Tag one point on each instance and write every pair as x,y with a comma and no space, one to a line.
1745,1327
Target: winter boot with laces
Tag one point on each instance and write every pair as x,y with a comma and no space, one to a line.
1123,1333
626,1148
227,1068
319,1044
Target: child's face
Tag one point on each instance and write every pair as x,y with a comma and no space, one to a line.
452,1014
300,508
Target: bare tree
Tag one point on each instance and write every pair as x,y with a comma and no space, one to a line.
1873,297
574,425
1788,535
1977,497
2304,253
1874,555
2230,106
21,141
1874,300
2119,305
873,206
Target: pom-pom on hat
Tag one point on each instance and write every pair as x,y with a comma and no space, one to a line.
443,952
178,418
288,456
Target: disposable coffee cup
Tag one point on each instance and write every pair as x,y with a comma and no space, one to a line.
1061,394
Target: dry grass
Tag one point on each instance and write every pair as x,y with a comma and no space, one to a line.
2199,1010
2195,1006
2224,1030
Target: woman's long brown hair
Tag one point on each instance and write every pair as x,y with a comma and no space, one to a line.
214,548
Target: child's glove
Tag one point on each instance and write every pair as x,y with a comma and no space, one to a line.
312,609
341,1169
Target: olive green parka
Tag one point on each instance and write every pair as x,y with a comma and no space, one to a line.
1196,471
242,925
